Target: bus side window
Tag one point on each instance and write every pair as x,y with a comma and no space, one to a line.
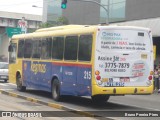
36,51
28,48
58,48
46,48
71,47
20,48
85,48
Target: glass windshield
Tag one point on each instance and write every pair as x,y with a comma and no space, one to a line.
3,66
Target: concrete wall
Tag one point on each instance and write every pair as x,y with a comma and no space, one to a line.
82,12
4,42
8,19
20,15
141,9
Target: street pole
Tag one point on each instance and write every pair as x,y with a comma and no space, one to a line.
106,9
1,37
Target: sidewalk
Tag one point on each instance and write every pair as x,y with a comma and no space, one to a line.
156,92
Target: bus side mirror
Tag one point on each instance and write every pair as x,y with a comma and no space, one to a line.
10,48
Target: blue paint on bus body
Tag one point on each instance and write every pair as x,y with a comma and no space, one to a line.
39,75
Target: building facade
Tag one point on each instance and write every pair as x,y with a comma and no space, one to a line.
11,21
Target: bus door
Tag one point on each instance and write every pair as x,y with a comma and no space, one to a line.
84,80
12,61
45,75
69,80
70,68
36,66
35,74
27,71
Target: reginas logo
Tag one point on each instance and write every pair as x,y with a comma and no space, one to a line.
111,36
38,68
104,34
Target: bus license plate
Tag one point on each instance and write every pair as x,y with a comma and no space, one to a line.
124,79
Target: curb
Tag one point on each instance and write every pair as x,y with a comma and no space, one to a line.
50,104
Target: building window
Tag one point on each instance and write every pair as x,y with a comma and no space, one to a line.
53,10
116,10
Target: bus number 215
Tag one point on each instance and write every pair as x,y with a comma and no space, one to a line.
87,74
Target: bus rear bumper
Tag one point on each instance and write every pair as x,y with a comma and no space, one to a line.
96,90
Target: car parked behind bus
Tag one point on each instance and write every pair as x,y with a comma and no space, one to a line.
4,71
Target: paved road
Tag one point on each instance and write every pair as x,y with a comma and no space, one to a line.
25,109
115,103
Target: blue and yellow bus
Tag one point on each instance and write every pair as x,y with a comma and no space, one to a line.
97,61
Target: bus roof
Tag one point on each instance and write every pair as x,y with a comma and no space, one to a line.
60,28
124,27
72,29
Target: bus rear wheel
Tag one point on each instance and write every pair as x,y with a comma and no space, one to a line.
56,90
100,98
20,87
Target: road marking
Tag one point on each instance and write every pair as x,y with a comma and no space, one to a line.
147,108
3,84
6,89
11,84
7,84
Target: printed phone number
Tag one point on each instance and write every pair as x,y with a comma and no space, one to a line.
117,65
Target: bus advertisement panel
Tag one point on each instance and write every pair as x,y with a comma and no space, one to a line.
123,57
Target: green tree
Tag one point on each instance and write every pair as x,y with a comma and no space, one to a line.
62,21
45,25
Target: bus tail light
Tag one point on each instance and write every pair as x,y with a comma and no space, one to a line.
151,72
150,77
97,72
98,77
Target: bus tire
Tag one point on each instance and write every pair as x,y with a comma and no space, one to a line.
100,98
20,87
56,90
